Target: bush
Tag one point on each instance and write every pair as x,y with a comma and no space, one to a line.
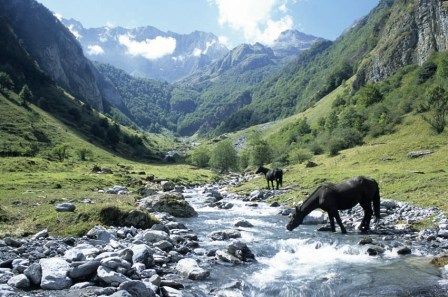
316,148
369,95
438,108
299,155
25,95
113,135
244,159
342,139
224,157
60,152
200,157
425,72
5,82
84,154
260,152
303,127
331,121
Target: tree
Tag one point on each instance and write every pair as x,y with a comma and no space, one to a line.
113,135
369,95
331,122
425,72
224,157
84,154
25,95
60,152
200,157
260,152
5,82
303,127
438,108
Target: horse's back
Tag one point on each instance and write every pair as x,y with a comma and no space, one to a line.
358,185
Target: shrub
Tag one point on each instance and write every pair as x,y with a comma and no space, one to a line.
5,82
224,157
438,108
25,95
60,152
331,122
339,101
200,157
316,148
299,155
113,135
260,152
343,139
244,159
303,127
84,154
369,95
425,72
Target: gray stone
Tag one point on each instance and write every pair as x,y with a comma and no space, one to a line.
19,281
85,270
243,223
82,285
41,234
111,277
12,242
171,292
54,274
115,263
442,233
374,250
117,190
171,203
226,257
121,293
167,186
418,154
164,245
225,235
137,289
189,268
34,273
142,254
404,250
240,250
65,207
153,236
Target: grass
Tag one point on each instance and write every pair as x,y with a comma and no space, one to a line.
420,181
30,186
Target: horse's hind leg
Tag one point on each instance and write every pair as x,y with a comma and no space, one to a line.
333,227
276,181
368,212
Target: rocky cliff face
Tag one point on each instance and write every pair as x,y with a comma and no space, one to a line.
414,31
57,52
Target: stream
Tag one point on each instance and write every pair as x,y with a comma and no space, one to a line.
303,262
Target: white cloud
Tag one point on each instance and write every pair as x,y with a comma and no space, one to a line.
224,40
151,49
95,50
254,18
74,32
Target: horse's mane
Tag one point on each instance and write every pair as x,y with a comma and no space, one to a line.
307,200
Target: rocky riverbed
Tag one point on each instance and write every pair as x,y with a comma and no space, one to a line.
222,244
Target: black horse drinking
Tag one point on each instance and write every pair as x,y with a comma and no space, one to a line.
271,175
334,197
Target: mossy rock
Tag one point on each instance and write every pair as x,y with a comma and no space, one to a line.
113,216
172,203
440,260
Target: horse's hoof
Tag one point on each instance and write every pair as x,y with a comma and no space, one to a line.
344,231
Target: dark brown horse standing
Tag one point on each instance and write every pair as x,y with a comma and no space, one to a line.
334,197
271,175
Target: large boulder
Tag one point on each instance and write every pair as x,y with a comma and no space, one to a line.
172,203
65,207
137,289
240,250
84,270
189,268
153,236
54,274
167,186
34,273
141,253
19,281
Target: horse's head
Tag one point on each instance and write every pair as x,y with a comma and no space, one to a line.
260,170
296,219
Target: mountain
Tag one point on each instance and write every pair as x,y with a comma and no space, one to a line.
57,52
147,51
393,35
291,42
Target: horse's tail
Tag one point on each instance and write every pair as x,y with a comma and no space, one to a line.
376,202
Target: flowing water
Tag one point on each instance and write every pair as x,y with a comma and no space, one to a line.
305,262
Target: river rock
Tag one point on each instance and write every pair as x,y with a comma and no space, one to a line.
115,263
142,254
316,217
34,273
84,270
189,268
54,274
65,207
82,285
365,240
39,235
404,250
136,289
152,236
5,275
170,292
241,251
226,257
442,233
121,293
172,203
256,194
243,223
12,242
19,281
225,235
164,245
440,260
275,204
167,186
374,250
111,277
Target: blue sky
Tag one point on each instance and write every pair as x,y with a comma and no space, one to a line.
235,21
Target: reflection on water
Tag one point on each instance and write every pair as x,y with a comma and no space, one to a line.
305,262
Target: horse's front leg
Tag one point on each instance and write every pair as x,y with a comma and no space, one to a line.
333,227
339,221
276,182
269,186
